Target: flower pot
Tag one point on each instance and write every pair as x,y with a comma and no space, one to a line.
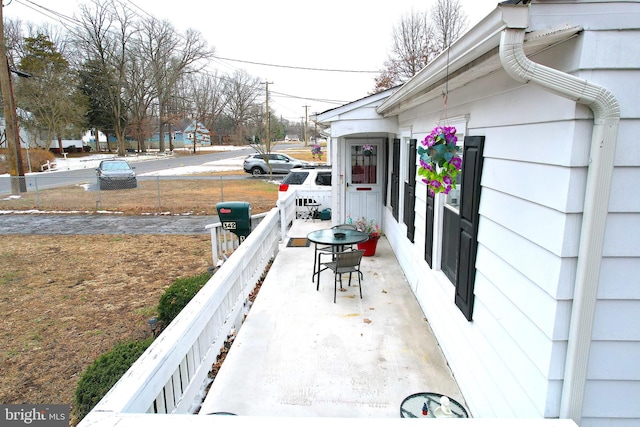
369,246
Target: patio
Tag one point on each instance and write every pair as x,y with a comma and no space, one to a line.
299,354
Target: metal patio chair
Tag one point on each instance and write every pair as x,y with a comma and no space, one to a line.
343,262
327,250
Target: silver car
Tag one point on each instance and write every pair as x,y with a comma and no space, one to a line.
280,163
113,174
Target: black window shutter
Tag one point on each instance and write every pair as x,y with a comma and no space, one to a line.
410,192
469,218
395,179
428,230
386,172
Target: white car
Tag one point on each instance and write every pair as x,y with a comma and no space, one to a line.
314,186
307,178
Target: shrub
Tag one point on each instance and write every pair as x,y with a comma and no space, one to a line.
107,369
38,157
178,295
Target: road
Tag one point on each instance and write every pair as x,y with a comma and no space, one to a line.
114,223
58,178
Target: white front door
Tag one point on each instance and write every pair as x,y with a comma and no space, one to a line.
364,163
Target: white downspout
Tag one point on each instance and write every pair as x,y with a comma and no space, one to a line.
606,114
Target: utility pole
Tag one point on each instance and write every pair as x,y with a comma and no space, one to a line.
315,125
268,142
306,123
16,172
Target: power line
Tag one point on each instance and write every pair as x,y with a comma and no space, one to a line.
297,68
49,13
328,101
57,16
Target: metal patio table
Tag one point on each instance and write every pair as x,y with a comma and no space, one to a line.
337,239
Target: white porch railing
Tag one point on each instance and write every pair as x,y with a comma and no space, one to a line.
169,378
293,205
165,386
224,242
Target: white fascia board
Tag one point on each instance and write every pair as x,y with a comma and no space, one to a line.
475,43
336,113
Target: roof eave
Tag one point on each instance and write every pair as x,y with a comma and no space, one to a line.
335,113
475,44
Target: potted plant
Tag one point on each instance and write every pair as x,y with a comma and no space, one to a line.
370,227
367,150
440,162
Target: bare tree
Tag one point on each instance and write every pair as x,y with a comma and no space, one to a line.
103,37
14,40
140,94
449,22
411,49
418,39
171,56
207,97
242,92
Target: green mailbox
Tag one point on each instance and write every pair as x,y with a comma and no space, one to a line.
235,217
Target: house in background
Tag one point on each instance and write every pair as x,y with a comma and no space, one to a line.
528,273
182,135
196,131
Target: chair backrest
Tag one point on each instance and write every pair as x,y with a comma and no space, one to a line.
348,259
345,227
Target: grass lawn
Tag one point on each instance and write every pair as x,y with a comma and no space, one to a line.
67,299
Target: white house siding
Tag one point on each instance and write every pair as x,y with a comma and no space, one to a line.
509,361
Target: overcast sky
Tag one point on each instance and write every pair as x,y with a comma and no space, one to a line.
330,34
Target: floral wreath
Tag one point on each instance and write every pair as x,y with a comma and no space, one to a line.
367,149
316,150
439,160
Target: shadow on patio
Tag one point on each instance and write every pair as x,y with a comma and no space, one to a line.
299,354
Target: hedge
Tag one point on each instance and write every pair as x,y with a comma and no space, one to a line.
178,295
102,375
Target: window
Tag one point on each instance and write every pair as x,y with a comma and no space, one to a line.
323,178
295,178
363,164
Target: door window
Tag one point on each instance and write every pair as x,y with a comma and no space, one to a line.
364,159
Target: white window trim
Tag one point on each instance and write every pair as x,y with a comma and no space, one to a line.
460,123
405,138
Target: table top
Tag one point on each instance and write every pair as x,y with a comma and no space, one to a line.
412,407
327,236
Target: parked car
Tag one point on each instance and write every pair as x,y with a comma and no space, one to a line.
307,178
280,163
116,173
313,178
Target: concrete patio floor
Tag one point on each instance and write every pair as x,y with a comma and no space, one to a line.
299,354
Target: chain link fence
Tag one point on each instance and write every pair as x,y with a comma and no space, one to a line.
196,195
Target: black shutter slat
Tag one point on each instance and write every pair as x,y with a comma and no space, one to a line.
386,172
410,192
428,238
395,179
469,218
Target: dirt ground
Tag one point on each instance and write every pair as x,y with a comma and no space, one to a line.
67,299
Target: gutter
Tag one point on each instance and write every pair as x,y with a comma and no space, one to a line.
606,117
